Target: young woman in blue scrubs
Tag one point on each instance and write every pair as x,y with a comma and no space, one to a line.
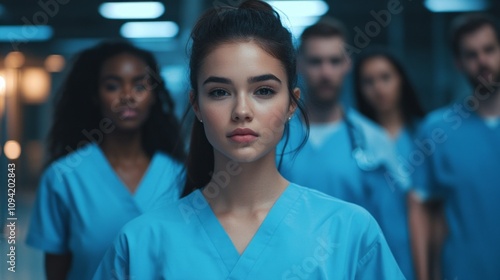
385,95
113,156
240,219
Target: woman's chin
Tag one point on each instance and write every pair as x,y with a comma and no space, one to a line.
127,126
246,156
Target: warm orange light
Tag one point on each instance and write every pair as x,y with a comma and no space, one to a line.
35,85
2,85
54,63
12,149
14,60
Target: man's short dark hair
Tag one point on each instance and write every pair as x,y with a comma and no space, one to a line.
467,24
325,28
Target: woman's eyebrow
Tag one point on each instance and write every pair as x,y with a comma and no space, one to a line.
117,77
139,78
111,77
262,78
213,79
256,79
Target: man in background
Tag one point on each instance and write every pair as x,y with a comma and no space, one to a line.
462,168
346,155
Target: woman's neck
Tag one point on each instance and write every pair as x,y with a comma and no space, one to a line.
123,145
392,121
244,186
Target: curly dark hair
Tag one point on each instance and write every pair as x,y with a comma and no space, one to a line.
77,107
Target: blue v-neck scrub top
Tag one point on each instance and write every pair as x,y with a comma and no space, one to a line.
82,204
405,141
305,235
461,168
331,168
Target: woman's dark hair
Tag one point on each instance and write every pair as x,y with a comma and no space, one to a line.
78,117
409,102
251,21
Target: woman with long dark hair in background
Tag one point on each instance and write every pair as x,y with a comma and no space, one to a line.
114,153
385,94
240,219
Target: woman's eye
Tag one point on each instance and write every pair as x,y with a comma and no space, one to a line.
386,77
218,93
367,82
265,91
140,88
110,87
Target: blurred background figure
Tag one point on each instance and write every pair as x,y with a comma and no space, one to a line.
114,154
346,156
385,95
462,163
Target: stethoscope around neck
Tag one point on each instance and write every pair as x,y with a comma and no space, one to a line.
363,158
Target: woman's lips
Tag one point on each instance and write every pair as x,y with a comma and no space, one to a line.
128,113
243,138
243,135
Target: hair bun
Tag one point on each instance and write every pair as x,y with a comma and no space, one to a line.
257,5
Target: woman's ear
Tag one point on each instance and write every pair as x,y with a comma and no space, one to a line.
194,103
293,104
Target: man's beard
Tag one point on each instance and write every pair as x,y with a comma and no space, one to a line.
317,97
484,86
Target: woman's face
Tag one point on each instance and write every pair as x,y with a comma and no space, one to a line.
380,84
124,91
243,101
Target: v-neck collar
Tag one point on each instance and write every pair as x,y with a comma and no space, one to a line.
484,121
106,165
321,133
491,134
327,139
237,265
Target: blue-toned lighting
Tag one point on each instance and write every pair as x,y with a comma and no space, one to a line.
2,9
300,8
296,25
25,33
152,29
297,15
443,6
131,10
301,21
175,77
